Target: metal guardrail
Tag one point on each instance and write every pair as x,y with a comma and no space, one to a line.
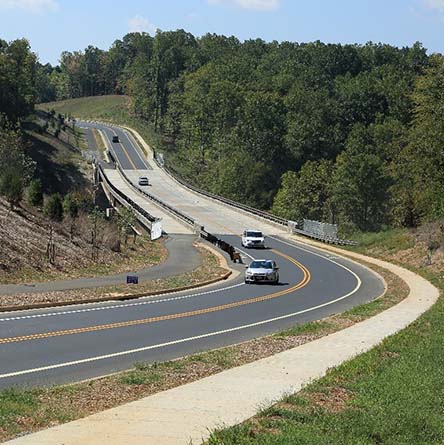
325,239
223,245
182,216
251,210
142,215
330,235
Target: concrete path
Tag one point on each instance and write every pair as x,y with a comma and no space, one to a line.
190,412
182,258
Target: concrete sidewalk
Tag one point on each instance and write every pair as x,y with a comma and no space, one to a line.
182,257
189,412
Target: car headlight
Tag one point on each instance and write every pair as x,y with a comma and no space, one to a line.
248,273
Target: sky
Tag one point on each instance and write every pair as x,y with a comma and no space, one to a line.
53,26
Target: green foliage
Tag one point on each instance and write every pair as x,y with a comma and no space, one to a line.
17,79
13,150
126,219
425,154
71,205
361,182
244,119
54,207
306,194
11,186
35,193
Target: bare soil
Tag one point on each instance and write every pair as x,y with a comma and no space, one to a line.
24,238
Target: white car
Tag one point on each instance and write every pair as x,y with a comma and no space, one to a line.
262,271
253,238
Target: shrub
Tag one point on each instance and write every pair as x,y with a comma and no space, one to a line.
54,207
35,193
71,205
11,187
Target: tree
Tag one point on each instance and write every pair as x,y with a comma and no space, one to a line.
17,79
54,207
126,219
11,186
360,188
425,152
306,194
35,193
71,208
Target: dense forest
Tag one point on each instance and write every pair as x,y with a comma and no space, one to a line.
352,134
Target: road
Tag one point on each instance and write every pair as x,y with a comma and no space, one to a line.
69,344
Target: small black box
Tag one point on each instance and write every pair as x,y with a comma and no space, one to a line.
132,279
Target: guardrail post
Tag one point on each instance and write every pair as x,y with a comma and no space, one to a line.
198,229
292,226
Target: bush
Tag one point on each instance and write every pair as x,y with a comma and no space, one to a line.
35,193
71,205
54,207
11,187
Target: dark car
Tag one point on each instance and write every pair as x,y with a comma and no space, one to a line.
143,180
116,139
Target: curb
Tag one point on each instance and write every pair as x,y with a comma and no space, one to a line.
113,297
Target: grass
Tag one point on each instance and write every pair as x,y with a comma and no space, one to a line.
392,394
387,241
112,108
99,141
97,107
25,410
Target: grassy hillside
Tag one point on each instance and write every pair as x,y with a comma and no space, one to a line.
59,166
111,108
99,107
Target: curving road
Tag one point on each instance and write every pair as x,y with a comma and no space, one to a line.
74,343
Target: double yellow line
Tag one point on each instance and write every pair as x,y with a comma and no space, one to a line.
306,278
124,150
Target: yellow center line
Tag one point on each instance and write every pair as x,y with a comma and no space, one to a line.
124,151
38,336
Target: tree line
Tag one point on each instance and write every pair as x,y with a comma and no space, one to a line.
23,83
351,134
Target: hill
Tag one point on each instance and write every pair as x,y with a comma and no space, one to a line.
100,107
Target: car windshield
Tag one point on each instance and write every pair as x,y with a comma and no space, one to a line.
261,265
254,234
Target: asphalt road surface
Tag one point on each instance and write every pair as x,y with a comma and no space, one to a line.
74,343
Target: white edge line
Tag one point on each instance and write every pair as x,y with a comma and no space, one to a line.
321,256
119,306
175,342
129,136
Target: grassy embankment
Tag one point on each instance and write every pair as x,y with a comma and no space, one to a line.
111,108
391,395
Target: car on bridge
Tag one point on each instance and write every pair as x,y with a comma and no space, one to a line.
253,238
262,271
116,139
143,180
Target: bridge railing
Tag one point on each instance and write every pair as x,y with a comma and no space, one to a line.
308,228
177,213
149,221
250,210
